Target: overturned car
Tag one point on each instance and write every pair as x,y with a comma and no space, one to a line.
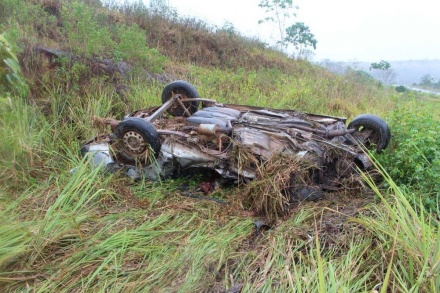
187,132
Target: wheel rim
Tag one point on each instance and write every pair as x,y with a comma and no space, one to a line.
134,143
177,107
367,136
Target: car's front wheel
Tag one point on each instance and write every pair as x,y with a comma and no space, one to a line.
136,141
371,131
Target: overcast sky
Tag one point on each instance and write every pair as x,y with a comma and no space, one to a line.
346,30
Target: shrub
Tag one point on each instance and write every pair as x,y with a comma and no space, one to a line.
413,160
10,72
84,33
132,46
401,89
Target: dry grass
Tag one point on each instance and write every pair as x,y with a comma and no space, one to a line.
268,195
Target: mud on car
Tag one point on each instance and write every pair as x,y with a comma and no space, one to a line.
188,133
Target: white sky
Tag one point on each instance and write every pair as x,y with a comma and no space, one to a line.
346,30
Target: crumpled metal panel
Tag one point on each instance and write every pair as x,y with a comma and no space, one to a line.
264,143
187,156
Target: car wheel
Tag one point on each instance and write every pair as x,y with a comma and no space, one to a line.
136,141
371,131
185,90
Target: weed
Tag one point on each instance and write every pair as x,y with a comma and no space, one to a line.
413,159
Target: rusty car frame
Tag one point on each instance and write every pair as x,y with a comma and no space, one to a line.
188,132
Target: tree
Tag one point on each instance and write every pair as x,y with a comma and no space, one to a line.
298,34
278,12
383,71
382,65
427,80
301,38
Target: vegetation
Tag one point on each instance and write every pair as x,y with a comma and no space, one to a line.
383,71
428,82
10,72
298,34
67,227
414,155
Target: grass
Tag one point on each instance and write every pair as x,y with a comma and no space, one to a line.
70,228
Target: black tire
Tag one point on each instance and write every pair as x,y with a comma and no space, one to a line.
187,91
136,141
371,131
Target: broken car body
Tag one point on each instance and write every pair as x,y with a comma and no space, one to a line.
188,132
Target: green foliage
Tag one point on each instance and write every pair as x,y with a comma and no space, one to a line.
10,71
278,12
401,89
426,80
382,65
90,33
228,27
21,129
360,76
131,45
33,21
413,160
408,239
383,71
297,34
300,37
85,34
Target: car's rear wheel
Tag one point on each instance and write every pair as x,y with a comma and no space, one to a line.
137,141
371,131
184,90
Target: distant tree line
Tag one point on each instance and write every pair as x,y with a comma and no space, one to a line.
427,81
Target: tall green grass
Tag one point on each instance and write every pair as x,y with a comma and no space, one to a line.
409,239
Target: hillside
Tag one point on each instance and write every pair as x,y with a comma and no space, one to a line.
177,48
408,72
68,227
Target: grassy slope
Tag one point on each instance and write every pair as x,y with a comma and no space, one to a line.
88,231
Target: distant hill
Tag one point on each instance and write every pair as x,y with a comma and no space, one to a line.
408,71
411,71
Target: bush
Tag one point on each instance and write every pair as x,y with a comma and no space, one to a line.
401,89
132,46
10,72
84,33
413,160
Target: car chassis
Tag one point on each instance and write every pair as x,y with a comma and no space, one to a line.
171,139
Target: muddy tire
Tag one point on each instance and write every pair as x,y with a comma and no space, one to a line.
136,141
186,91
371,131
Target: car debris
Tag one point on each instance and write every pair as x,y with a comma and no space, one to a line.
188,132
